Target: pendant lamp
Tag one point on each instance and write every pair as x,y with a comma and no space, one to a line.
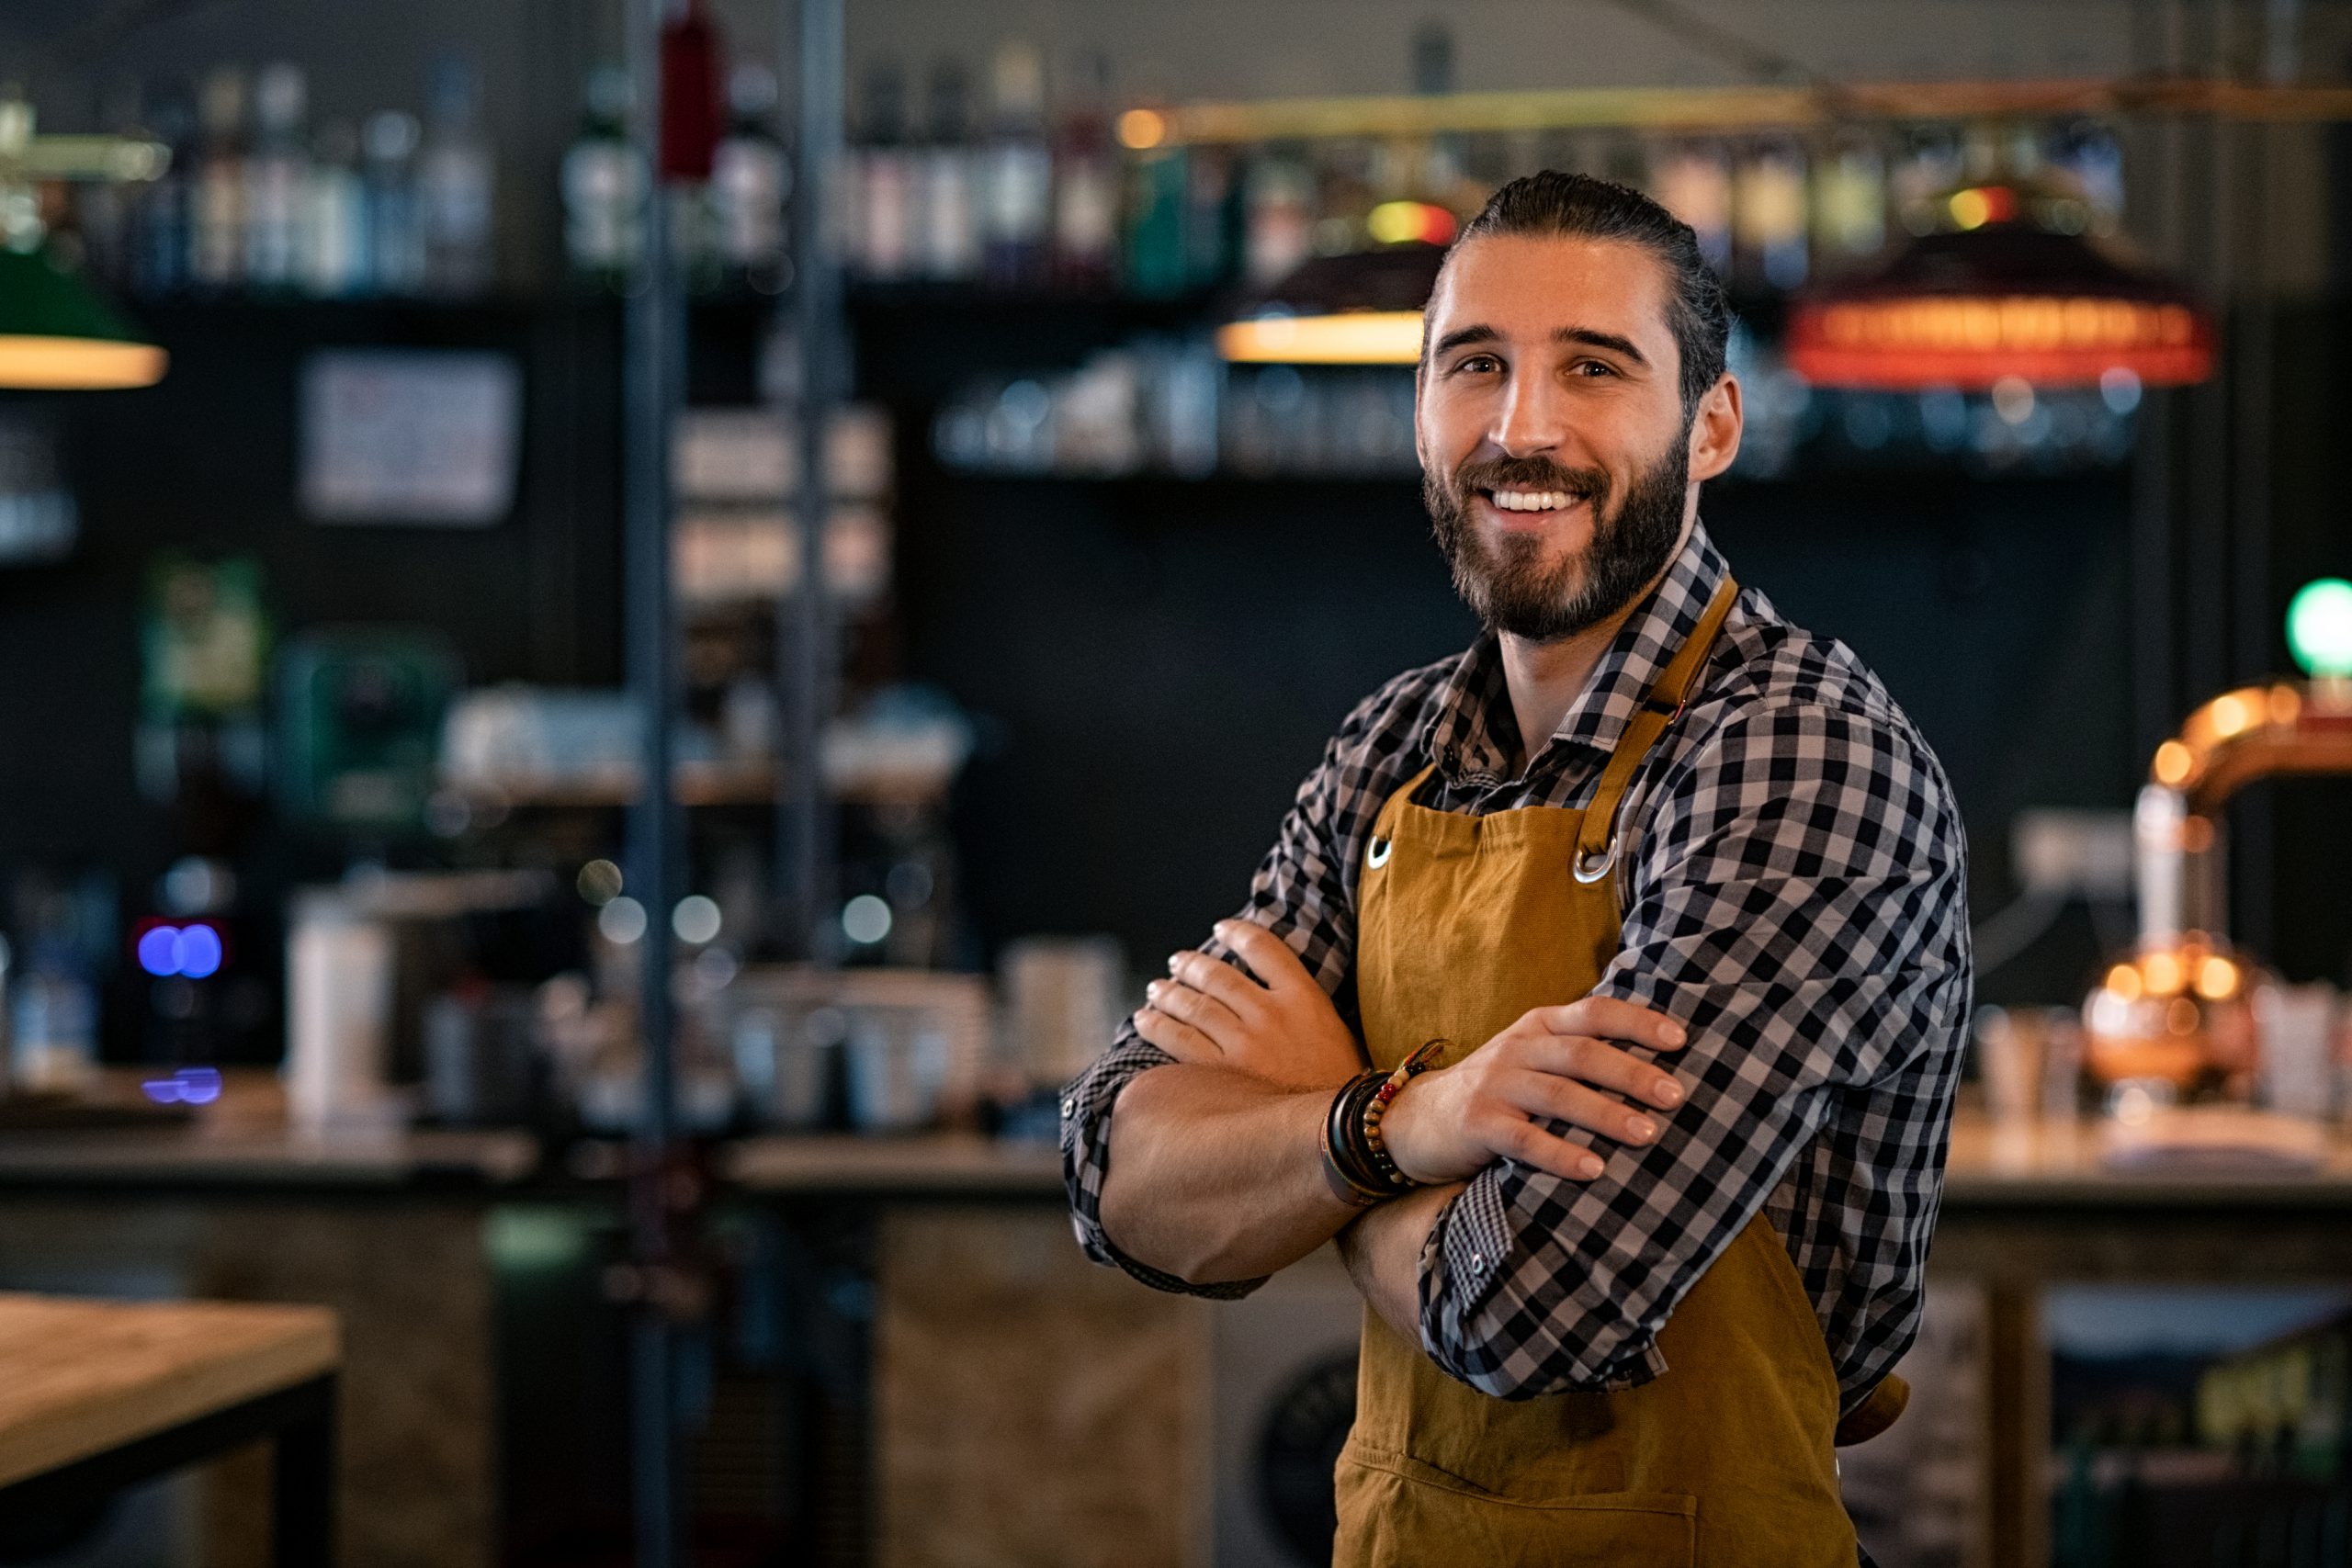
1361,307
2009,286
57,335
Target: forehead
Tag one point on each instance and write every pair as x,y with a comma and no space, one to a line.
1525,286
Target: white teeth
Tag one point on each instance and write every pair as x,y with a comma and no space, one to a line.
1531,500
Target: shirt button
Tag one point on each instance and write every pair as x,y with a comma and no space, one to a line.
1478,1260
1070,1108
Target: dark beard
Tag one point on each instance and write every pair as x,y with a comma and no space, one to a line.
1511,590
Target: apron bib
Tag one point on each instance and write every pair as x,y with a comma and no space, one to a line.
1463,924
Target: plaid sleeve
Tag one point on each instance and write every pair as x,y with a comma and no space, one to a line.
1305,892
1798,903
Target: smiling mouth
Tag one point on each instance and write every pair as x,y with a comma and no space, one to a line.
1532,501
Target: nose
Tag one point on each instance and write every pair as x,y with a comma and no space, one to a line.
1528,421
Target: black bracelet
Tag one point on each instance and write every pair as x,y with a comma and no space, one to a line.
1353,1155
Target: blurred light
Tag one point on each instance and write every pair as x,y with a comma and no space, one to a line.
56,335
2161,971
189,1086
2120,390
2124,981
2173,763
695,920
159,950
865,919
2319,627
2181,1017
716,967
1980,205
621,921
1401,223
199,951
193,951
600,882
2013,399
2217,977
1351,337
2229,715
1142,128
1902,342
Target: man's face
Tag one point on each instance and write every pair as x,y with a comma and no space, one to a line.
1557,459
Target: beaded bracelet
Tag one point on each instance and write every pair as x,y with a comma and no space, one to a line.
1421,1060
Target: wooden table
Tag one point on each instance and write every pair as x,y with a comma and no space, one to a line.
98,1395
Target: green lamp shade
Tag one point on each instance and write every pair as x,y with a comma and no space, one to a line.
2319,627
57,335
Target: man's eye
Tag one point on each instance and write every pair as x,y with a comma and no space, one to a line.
1594,368
1476,365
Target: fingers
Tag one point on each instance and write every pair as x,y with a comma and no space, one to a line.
1220,981
1268,955
1603,1066
1201,1011
1179,1039
1610,1017
1512,1138
1552,1098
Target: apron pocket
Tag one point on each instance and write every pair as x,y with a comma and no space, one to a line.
1396,1513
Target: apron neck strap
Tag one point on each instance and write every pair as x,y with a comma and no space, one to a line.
1596,854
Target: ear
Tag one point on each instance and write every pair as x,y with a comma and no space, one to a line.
1714,430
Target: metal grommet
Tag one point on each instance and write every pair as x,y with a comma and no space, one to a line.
1588,869
1377,856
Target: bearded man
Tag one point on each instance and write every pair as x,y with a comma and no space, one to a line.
1604,993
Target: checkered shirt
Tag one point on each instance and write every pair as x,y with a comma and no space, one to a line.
1794,883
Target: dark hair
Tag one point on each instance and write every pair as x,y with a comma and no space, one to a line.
1581,207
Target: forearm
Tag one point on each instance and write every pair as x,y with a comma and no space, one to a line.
1217,1176
1382,1252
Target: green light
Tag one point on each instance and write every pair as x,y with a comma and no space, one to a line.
2319,627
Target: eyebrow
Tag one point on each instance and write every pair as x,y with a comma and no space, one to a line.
1591,337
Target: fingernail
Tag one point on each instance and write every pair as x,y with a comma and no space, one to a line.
1669,1092
1588,1166
1151,987
1641,1129
1677,1035
1173,960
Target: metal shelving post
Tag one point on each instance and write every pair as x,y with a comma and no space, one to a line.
653,384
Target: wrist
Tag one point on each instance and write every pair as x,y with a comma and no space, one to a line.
1414,1117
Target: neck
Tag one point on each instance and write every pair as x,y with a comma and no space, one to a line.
1545,679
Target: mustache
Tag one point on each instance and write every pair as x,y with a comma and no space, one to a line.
1529,473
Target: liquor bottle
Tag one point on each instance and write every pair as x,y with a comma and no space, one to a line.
217,227
1086,184
1158,251
882,245
162,211
2086,154
395,232
1280,207
1849,199
332,260
454,187
948,228
277,173
749,182
1769,218
1693,182
1017,194
605,185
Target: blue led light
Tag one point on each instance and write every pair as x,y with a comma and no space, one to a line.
199,951
189,1086
159,950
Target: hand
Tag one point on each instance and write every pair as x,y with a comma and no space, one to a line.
1449,1124
1279,1026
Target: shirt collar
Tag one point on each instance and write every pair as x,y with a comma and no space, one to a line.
1472,736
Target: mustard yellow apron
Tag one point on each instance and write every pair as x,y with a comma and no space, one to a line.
1463,924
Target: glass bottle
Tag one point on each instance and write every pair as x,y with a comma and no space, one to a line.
454,187
949,227
277,174
162,216
1086,184
749,182
605,185
883,244
332,237
1016,203
217,226
395,235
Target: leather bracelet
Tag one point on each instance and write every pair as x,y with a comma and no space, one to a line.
1340,1169
1350,1149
